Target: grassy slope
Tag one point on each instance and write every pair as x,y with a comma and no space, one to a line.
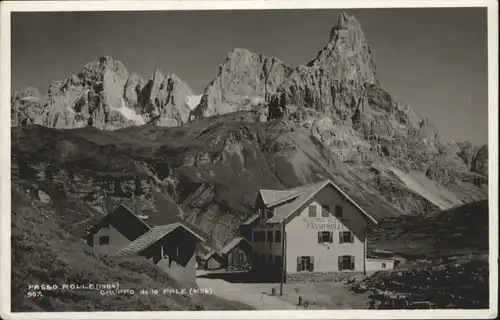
44,253
459,230
240,153
447,257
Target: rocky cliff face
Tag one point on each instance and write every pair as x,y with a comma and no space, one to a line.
103,94
330,119
245,82
338,98
348,53
25,105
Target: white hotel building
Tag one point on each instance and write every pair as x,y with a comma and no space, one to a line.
315,228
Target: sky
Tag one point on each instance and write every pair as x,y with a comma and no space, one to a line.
435,59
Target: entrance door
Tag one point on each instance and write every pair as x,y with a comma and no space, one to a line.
346,263
241,258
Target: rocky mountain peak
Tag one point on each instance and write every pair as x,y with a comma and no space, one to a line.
104,94
244,82
158,75
348,53
347,22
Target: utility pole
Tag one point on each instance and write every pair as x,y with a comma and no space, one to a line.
210,248
282,257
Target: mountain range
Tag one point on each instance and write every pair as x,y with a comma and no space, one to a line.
105,136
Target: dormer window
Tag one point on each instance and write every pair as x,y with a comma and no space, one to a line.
270,213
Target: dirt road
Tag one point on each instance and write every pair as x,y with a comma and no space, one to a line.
247,293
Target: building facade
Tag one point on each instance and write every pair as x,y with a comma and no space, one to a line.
316,228
236,253
171,247
213,261
115,230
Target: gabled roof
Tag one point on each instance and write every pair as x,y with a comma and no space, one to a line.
210,254
274,197
232,244
307,192
125,221
151,237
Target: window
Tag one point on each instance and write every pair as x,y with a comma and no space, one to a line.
339,212
277,261
346,237
270,259
259,236
270,213
324,212
305,264
241,258
270,236
103,240
325,237
384,265
346,263
277,236
312,211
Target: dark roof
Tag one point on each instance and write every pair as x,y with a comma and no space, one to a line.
125,221
274,197
151,237
214,254
307,192
232,244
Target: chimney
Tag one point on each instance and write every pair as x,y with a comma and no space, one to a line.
143,217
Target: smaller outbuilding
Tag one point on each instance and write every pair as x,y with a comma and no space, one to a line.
212,261
378,264
236,253
171,247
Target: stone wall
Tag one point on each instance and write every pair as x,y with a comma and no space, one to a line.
319,276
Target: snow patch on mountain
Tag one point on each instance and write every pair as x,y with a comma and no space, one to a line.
130,114
193,101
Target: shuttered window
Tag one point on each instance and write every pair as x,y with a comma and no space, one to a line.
346,263
305,263
346,237
325,237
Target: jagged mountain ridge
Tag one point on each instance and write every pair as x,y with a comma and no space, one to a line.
106,96
328,119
